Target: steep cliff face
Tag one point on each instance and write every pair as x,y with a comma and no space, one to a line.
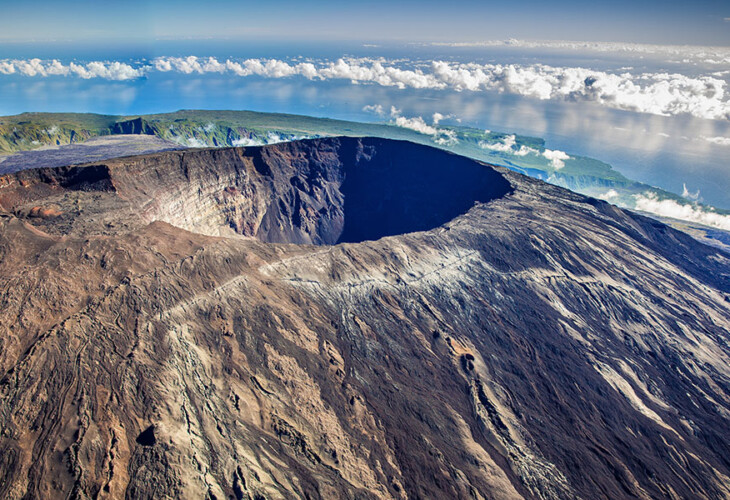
162,336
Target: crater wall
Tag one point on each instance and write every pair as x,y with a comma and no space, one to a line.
322,191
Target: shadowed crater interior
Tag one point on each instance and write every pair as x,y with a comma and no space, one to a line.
401,188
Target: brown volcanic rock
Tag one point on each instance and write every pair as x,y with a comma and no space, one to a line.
163,337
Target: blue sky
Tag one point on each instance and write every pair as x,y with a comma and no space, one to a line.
662,22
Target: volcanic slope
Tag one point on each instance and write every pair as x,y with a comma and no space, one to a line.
351,318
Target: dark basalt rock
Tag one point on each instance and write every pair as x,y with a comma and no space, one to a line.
351,318
147,436
134,126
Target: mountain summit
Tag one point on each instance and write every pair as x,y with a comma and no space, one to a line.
351,318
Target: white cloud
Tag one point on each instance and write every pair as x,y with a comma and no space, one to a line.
417,123
443,137
194,142
248,141
649,202
446,137
686,193
437,118
608,195
163,65
557,158
721,141
110,71
7,68
703,96
504,146
271,138
507,145
375,109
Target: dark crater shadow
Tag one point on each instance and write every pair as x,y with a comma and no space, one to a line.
403,188
366,189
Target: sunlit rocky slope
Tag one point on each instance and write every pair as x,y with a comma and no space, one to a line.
351,318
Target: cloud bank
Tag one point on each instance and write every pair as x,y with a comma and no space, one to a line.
657,93
113,70
650,202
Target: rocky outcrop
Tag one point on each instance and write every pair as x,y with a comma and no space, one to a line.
473,333
134,126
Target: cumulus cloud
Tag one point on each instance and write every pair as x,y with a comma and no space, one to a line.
608,195
507,145
446,137
702,96
375,109
270,138
247,141
110,71
557,158
7,68
443,137
271,68
656,93
650,202
416,123
113,70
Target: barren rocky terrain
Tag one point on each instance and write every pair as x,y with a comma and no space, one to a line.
351,318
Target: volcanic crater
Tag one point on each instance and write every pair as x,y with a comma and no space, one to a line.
320,191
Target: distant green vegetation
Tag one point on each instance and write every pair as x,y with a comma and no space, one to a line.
196,128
